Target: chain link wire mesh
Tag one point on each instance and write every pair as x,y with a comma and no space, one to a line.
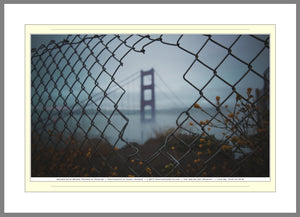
71,82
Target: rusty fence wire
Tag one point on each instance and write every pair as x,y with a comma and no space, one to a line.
71,85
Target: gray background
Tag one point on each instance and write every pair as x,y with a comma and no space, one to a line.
127,1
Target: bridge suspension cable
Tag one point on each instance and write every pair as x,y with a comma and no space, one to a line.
99,95
167,96
171,91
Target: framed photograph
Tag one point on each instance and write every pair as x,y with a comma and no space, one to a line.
150,108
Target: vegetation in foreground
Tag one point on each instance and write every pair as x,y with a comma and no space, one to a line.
171,153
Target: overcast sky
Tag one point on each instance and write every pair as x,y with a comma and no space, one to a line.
169,63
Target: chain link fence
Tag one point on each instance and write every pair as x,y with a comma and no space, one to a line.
71,85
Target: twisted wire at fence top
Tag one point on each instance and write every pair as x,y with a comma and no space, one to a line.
86,59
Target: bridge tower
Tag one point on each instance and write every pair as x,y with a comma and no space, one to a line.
147,96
